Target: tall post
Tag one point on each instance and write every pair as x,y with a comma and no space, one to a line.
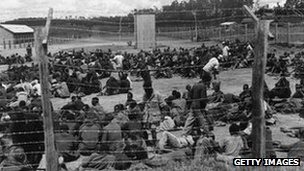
135,30
258,110
288,33
41,39
246,32
276,33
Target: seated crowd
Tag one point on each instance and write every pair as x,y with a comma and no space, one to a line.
134,130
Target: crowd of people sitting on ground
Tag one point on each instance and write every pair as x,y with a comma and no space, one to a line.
76,70
89,137
17,58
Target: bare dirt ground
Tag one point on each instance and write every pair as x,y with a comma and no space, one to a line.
231,82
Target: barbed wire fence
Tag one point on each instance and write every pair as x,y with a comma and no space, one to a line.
179,32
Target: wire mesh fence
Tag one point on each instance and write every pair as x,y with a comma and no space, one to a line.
27,129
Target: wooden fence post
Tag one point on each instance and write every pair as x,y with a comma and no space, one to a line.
246,32
258,74
41,39
276,33
288,33
258,110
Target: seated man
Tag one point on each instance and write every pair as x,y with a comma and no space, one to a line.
125,85
112,86
136,148
299,94
89,136
178,109
231,145
217,95
206,146
168,139
112,137
281,89
15,160
295,150
66,144
130,99
21,95
61,90
134,126
97,108
246,93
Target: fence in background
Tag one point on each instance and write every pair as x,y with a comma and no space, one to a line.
287,33
240,31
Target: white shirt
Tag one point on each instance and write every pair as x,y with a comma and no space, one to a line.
118,59
225,51
248,130
249,48
131,85
5,86
26,86
185,140
38,88
212,64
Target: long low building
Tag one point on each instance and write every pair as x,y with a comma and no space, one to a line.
16,34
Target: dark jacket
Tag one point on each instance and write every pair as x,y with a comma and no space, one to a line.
198,96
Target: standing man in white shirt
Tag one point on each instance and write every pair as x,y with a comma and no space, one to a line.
225,51
211,68
118,59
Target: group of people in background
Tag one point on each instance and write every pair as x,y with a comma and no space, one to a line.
136,129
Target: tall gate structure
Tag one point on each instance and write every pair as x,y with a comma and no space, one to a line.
144,30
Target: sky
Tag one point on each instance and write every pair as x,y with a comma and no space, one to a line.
12,9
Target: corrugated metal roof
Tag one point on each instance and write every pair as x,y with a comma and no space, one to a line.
14,28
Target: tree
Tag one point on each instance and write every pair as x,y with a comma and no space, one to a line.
292,3
236,3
